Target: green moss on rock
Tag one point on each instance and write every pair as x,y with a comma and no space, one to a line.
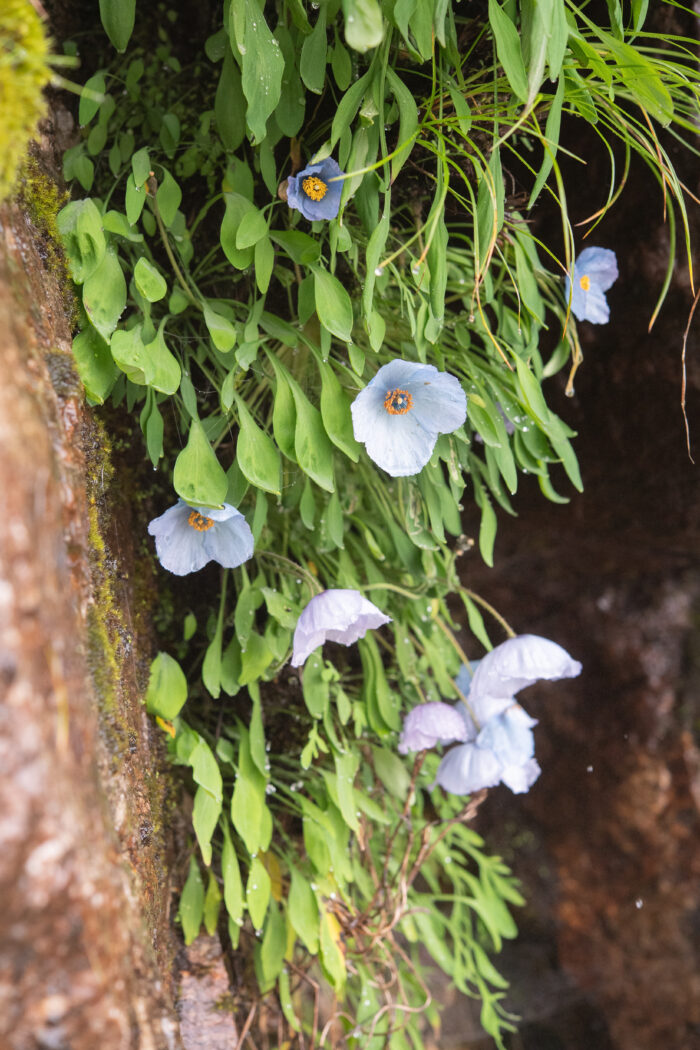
24,73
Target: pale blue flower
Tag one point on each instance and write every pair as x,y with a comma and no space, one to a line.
187,537
401,411
496,733
336,615
595,270
315,191
430,724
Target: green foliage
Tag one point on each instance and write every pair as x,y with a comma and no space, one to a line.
241,333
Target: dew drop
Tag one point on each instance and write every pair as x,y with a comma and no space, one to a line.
378,272
639,903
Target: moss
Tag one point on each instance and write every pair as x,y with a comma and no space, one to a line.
42,200
24,73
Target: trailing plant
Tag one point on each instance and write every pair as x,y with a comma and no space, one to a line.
309,265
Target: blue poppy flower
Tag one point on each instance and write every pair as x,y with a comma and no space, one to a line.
430,724
496,741
401,411
336,615
187,538
595,270
315,191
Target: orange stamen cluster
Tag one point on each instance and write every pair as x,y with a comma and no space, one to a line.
314,187
199,522
398,402
585,283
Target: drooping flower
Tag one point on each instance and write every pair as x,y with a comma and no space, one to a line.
187,537
316,190
497,744
431,724
336,615
401,411
595,270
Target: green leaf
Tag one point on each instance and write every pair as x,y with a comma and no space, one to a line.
205,769
198,476
300,248
271,955
89,105
642,80
345,771
256,657
141,166
508,49
191,910
117,17
333,304
229,104
237,207
256,453
167,687
312,65
314,452
303,911
336,415
168,198
80,227
258,892
364,26
212,905
104,294
149,281
348,107
408,120
392,772
95,364
262,68
331,955
551,134
130,354
284,413
315,687
134,200
205,816
221,330
252,227
211,666
264,260
233,887
162,367
248,802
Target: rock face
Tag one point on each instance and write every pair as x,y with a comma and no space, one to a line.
84,942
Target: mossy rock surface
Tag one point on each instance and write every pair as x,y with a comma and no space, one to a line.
24,73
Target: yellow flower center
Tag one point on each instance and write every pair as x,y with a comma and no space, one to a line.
314,187
199,522
585,283
398,402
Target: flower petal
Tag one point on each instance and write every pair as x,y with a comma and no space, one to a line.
509,736
336,615
600,265
179,547
521,778
431,724
468,768
230,542
403,443
439,403
517,663
327,208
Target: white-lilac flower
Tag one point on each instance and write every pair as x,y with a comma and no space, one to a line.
401,411
496,733
316,190
595,270
188,537
336,615
430,724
